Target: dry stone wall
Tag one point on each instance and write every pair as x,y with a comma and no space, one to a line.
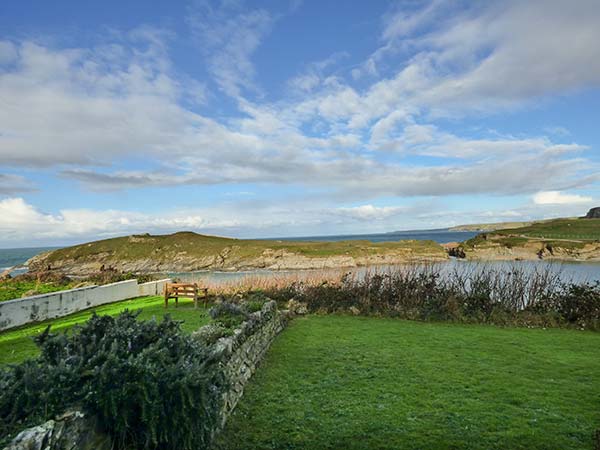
241,353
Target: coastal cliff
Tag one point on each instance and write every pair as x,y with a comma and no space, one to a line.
186,251
559,239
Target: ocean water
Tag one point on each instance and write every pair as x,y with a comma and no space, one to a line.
16,257
442,236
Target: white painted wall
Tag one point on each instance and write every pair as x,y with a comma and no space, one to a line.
153,287
14,313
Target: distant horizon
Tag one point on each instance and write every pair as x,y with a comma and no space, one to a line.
297,118
271,237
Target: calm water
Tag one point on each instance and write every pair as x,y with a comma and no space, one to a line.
15,257
441,236
568,271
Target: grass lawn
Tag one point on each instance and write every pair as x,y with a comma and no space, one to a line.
17,345
341,382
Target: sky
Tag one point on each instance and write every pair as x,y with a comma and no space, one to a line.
293,118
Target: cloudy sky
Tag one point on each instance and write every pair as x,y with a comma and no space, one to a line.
293,118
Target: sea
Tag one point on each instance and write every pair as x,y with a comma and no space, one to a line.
580,271
15,258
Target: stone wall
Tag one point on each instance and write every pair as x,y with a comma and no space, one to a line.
241,353
15,313
238,356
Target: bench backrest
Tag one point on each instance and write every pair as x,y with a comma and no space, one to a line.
181,289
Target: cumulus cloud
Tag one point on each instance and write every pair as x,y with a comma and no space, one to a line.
560,198
20,220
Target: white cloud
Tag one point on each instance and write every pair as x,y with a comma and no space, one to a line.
228,37
559,198
370,212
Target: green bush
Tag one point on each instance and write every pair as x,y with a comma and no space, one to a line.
512,295
228,315
149,385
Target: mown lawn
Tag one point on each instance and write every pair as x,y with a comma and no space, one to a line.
17,345
340,382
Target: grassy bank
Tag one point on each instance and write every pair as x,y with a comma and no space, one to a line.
17,345
584,229
353,382
12,289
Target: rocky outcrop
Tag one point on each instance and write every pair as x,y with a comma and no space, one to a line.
593,213
531,250
231,261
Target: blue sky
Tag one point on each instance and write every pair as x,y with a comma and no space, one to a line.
283,118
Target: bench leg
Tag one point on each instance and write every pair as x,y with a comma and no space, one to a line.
176,302
196,301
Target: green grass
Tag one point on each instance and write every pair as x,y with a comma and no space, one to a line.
340,382
585,229
17,345
11,289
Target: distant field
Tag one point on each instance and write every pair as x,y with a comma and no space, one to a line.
339,382
492,226
17,345
585,229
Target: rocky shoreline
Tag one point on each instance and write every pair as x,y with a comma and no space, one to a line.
278,260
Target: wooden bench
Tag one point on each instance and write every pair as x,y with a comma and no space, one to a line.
185,290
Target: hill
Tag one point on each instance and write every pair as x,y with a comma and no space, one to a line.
486,227
564,239
187,251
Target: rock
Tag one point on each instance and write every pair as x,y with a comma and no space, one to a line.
5,275
354,310
297,307
71,431
593,213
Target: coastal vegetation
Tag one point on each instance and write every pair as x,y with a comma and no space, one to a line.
186,251
564,239
147,383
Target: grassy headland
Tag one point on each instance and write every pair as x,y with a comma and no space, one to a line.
565,239
187,251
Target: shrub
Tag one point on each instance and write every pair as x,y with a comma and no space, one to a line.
228,315
149,384
511,295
